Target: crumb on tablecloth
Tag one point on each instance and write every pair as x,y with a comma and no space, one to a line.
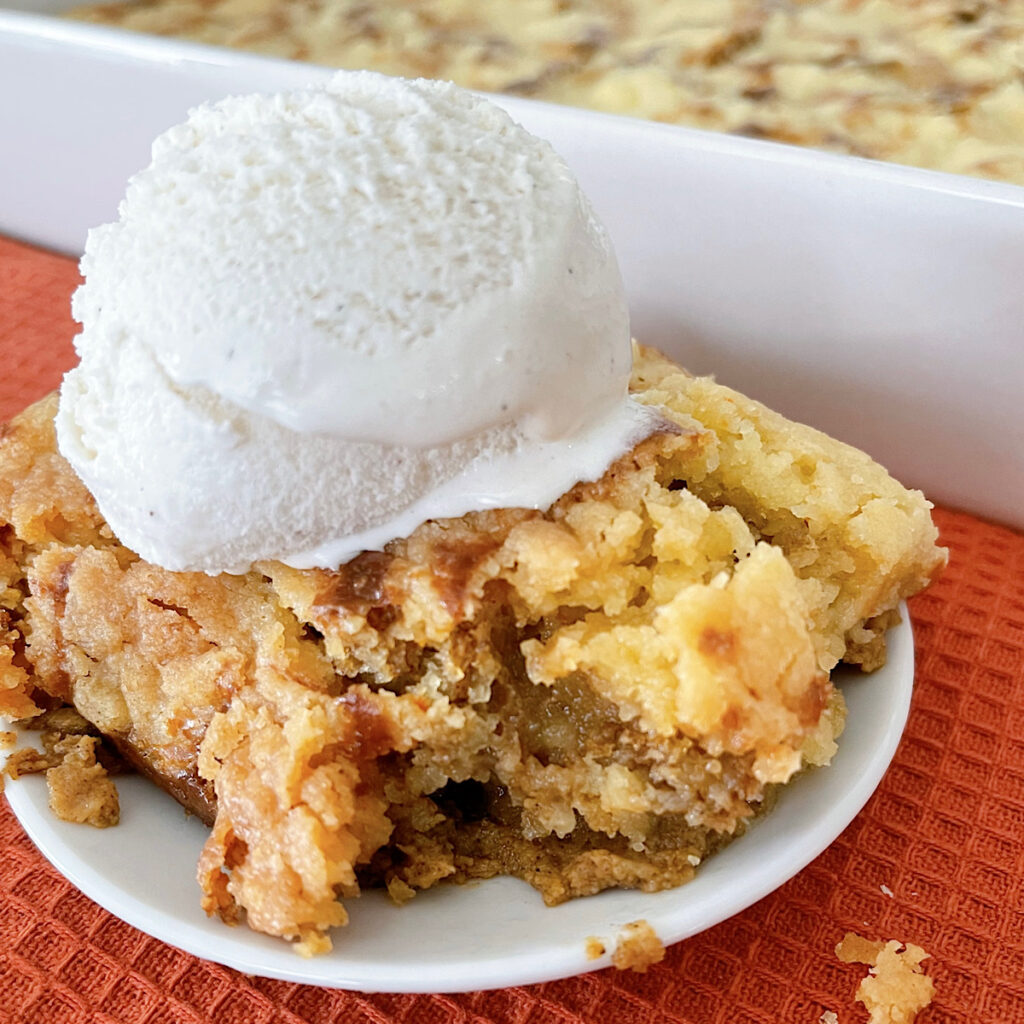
828,1017
638,948
896,990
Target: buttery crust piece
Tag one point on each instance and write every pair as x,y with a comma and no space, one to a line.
596,695
79,788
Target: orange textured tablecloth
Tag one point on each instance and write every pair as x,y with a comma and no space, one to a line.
944,833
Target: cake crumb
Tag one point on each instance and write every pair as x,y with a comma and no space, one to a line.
595,948
80,790
886,891
638,948
8,740
399,891
828,1017
79,787
29,761
312,943
896,989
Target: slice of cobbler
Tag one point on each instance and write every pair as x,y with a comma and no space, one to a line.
592,696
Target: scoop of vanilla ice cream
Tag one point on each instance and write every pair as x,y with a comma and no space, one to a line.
325,316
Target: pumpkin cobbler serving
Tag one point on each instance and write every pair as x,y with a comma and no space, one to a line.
362,531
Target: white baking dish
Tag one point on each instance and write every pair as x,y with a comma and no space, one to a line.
881,303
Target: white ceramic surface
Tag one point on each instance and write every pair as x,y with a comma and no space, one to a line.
880,303
487,935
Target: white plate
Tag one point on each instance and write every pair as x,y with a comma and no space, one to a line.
487,935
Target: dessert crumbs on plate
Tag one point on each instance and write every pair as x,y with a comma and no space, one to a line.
79,786
8,740
28,761
638,947
896,989
595,948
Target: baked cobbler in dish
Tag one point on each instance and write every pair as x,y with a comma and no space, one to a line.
595,695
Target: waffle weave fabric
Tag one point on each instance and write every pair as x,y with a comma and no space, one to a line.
936,857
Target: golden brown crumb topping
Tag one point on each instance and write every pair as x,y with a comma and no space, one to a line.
79,788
